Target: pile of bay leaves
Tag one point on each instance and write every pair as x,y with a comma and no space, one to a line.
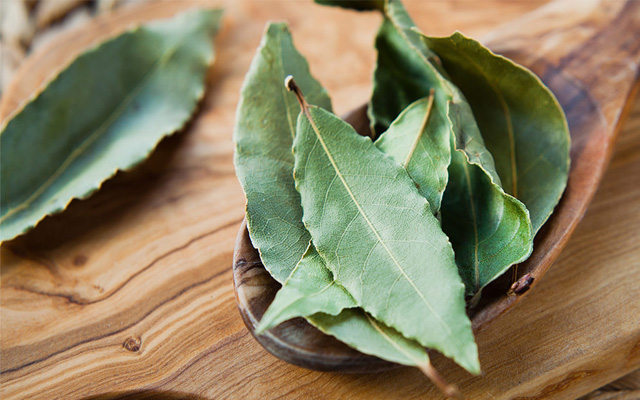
382,243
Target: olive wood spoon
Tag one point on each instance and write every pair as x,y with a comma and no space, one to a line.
589,56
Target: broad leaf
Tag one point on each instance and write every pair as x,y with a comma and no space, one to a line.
521,122
419,140
379,237
489,229
105,112
264,131
308,290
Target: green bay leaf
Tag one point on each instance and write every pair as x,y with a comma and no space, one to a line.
308,290
265,126
419,140
379,237
521,122
489,229
264,165
105,112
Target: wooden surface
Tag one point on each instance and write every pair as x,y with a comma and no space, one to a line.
130,292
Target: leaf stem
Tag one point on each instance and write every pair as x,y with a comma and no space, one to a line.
292,86
449,390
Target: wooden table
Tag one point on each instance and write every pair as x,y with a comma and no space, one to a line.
129,293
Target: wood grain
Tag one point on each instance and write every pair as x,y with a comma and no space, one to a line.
129,293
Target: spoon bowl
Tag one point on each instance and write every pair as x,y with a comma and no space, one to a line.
595,96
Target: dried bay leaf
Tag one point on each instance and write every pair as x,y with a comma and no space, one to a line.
377,233
489,229
264,165
105,112
264,131
419,140
308,290
521,121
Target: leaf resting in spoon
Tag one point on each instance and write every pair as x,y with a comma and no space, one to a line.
489,229
264,131
105,112
379,237
521,121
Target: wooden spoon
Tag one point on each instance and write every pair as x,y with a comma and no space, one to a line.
589,56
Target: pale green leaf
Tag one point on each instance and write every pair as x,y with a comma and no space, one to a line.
264,131
419,140
521,122
489,230
105,112
309,289
378,236
364,333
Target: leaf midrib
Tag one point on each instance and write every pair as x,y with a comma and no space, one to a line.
118,112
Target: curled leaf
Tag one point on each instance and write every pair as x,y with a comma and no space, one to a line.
521,122
489,229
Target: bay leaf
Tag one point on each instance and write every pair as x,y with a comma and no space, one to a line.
264,165
489,229
377,234
521,121
308,290
105,112
264,131
419,140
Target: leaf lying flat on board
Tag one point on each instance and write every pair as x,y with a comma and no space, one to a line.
264,131
521,122
105,112
419,140
377,234
489,229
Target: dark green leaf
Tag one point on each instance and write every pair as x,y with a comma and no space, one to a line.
105,112
521,122
489,229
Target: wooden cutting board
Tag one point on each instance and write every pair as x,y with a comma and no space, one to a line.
129,293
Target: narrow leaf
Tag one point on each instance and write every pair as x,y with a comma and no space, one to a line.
309,289
489,229
264,131
372,227
105,112
419,139
521,121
